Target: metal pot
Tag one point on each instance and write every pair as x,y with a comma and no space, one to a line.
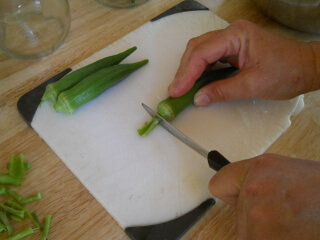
303,15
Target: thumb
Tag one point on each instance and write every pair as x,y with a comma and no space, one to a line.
227,182
240,86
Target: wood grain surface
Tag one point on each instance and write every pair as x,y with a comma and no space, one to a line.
76,214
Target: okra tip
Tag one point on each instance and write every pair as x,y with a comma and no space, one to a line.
47,96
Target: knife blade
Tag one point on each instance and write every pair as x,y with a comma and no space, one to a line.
215,159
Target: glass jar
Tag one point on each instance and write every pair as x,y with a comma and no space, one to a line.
33,28
122,3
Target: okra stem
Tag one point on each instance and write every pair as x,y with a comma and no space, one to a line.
16,218
18,213
28,231
26,165
16,169
3,190
34,218
6,179
148,127
4,219
46,227
2,228
14,195
35,197
13,204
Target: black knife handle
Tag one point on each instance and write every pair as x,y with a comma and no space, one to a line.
216,160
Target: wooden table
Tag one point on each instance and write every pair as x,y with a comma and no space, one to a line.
76,214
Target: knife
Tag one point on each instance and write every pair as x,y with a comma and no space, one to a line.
215,159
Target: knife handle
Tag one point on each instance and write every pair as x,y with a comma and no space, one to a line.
216,160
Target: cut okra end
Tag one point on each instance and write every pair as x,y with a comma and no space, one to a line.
61,106
148,127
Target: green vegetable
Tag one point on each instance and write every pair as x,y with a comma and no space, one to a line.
6,179
46,227
54,89
3,190
16,168
35,197
34,219
2,228
4,219
13,204
27,166
16,212
92,86
14,195
171,107
16,218
28,231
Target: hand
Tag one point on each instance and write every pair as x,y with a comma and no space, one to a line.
275,197
272,67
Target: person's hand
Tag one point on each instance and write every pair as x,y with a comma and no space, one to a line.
276,197
271,66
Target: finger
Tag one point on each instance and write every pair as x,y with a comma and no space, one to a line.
192,45
243,85
227,182
221,45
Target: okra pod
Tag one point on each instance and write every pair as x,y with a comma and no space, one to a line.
68,81
93,85
171,107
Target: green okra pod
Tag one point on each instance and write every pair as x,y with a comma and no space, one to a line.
68,81
171,107
93,85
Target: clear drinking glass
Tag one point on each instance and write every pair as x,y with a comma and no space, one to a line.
122,3
33,28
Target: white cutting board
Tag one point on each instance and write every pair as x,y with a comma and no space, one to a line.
142,181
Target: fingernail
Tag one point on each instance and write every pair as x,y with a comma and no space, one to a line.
201,99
